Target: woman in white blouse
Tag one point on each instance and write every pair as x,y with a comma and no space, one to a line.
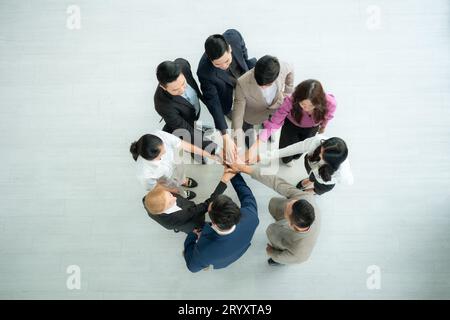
158,161
325,161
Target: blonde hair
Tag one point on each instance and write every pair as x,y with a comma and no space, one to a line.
155,200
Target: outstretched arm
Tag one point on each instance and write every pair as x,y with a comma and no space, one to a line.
272,181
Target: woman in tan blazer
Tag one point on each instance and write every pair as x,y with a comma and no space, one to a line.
259,92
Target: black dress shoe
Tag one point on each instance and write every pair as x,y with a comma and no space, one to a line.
271,262
190,194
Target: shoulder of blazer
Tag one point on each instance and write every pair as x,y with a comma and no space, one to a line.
233,36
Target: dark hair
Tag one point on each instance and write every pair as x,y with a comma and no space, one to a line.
216,46
224,212
167,71
148,147
302,214
267,69
313,91
335,152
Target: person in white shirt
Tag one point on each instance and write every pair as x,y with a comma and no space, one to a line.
158,161
326,162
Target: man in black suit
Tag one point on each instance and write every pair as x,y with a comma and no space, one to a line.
177,101
224,61
174,212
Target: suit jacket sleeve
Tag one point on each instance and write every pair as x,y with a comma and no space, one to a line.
304,146
238,110
212,101
244,193
276,183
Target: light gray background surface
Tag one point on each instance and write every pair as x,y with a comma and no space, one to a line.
72,101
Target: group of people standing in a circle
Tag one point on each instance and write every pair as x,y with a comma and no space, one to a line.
251,95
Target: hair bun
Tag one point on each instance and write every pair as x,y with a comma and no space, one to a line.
134,150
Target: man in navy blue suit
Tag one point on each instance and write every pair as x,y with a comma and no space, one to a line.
224,61
228,236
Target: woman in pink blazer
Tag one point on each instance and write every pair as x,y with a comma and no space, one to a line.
300,116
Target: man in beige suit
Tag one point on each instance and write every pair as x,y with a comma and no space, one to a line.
294,233
259,92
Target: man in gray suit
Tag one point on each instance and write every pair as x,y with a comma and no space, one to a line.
297,223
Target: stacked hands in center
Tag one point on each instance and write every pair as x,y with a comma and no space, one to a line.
251,94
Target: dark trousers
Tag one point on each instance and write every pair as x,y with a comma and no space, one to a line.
290,134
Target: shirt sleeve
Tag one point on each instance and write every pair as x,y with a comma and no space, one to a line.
289,81
212,101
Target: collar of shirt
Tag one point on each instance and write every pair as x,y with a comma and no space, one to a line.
191,95
270,93
223,233
172,209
